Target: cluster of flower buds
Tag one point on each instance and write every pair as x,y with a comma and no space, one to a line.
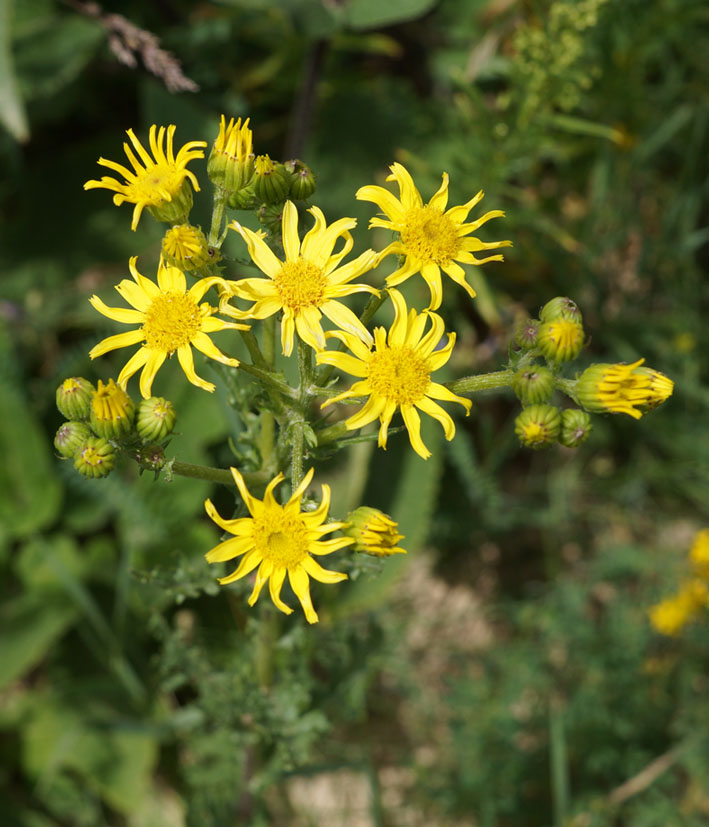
104,419
557,337
254,182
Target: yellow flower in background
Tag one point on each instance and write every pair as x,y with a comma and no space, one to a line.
279,539
431,238
396,374
308,284
620,388
171,320
699,553
158,183
671,615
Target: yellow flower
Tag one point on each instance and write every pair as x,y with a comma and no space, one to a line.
397,374
670,616
279,539
157,183
170,318
308,283
622,388
431,238
699,553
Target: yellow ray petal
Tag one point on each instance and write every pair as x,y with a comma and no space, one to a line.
204,344
247,564
440,199
229,549
274,588
171,279
317,572
436,411
184,355
436,391
344,318
130,337
301,586
291,242
153,362
261,254
118,314
387,202
413,425
134,364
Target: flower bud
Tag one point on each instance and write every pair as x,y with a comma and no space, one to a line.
526,334
538,425
533,384
620,388
660,390
231,161
271,182
156,419
302,180
575,427
243,199
560,340
186,248
177,210
95,458
151,457
373,531
70,437
112,411
271,216
561,307
74,397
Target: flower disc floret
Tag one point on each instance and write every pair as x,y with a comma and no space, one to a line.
280,540
307,285
396,374
431,238
153,182
171,320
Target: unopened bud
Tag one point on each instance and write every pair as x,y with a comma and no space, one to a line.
70,437
271,216
95,458
561,307
533,385
538,425
560,340
271,182
526,334
621,388
74,397
156,419
112,411
373,531
575,427
302,181
186,248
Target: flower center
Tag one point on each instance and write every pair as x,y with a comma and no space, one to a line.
535,432
399,374
156,182
429,235
301,284
171,321
280,538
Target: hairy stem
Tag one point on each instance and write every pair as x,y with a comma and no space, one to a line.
220,475
483,382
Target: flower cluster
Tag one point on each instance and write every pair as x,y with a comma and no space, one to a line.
691,600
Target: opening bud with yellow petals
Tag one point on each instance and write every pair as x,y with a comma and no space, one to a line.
271,181
621,388
186,247
373,531
112,411
560,340
96,458
533,385
74,397
70,437
231,161
538,425
660,390
575,427
156,419
561,307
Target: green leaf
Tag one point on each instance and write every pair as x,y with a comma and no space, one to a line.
373,14
12,108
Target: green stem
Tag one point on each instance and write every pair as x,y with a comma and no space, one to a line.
332,433
305,369
269,379
251,343
269,341
220,475
298,436
567,386
483,382
218,208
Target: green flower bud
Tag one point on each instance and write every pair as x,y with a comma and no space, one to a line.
575,427
151,457
560,340
302,184
156,419
373,531
70,437
95,458
526,334
271,182
538,425
243,199
533,384
561,307
231,161
186,248
74,397
176,211
112,411
271,216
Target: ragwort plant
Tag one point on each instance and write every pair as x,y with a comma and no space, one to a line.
302,280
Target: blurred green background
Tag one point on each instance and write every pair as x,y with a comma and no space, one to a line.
504,672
